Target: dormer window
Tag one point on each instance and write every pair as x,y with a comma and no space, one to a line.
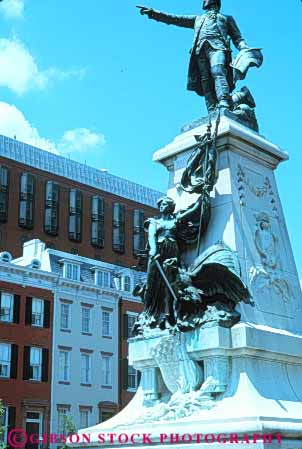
126,283
103,278
5,257
35,264
71,271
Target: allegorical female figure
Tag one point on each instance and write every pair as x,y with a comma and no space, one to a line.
210,288
166,234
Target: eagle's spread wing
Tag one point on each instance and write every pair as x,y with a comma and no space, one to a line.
217,272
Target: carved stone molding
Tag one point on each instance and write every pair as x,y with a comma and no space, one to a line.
262,191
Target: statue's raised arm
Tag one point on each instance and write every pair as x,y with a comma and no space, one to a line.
212,71
169,19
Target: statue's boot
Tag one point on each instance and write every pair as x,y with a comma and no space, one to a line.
209,93
219,73
210,103
244,96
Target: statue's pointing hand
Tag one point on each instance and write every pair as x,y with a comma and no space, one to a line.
145,11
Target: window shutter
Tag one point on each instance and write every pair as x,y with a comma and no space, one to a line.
45,357
26,363
28,311
14,362
125,374
125,326
46,322
16,316
11,418
139,376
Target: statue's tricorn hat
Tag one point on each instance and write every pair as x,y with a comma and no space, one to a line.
208,3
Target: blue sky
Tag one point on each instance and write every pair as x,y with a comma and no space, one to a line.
97,81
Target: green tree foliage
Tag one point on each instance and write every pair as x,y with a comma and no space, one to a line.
2,428
69,428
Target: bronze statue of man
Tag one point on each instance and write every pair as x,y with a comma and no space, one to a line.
210,73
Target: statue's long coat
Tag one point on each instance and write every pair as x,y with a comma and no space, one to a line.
228,30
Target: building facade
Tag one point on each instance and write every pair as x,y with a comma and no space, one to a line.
92,224
26,323
70,206
90,379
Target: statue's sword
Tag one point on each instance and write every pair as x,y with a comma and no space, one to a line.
166,280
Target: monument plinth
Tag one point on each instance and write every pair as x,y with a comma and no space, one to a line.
221,378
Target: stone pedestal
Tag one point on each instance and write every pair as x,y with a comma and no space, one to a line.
248,378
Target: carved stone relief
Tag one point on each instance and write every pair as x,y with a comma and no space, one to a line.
179,372
218,370
183,377
269,274
258,186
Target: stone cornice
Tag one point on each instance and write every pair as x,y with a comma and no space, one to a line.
231,136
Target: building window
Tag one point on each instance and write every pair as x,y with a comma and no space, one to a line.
35,364
72,271
64,365
128,324
62,415
26,201
65,319
106,323
75,215
37,315
126,283
37,312
51,219
4,189
97,222
106,370
107,413
5,359
85,413
6,307
103,278
132,378
85,368
118,241
8,360
138,232
86,320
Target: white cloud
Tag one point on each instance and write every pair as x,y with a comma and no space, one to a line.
20,72
12,9
80,140
14,124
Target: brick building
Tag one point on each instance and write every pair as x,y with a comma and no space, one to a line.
70,206
26,317
79,210
93,314
89,218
